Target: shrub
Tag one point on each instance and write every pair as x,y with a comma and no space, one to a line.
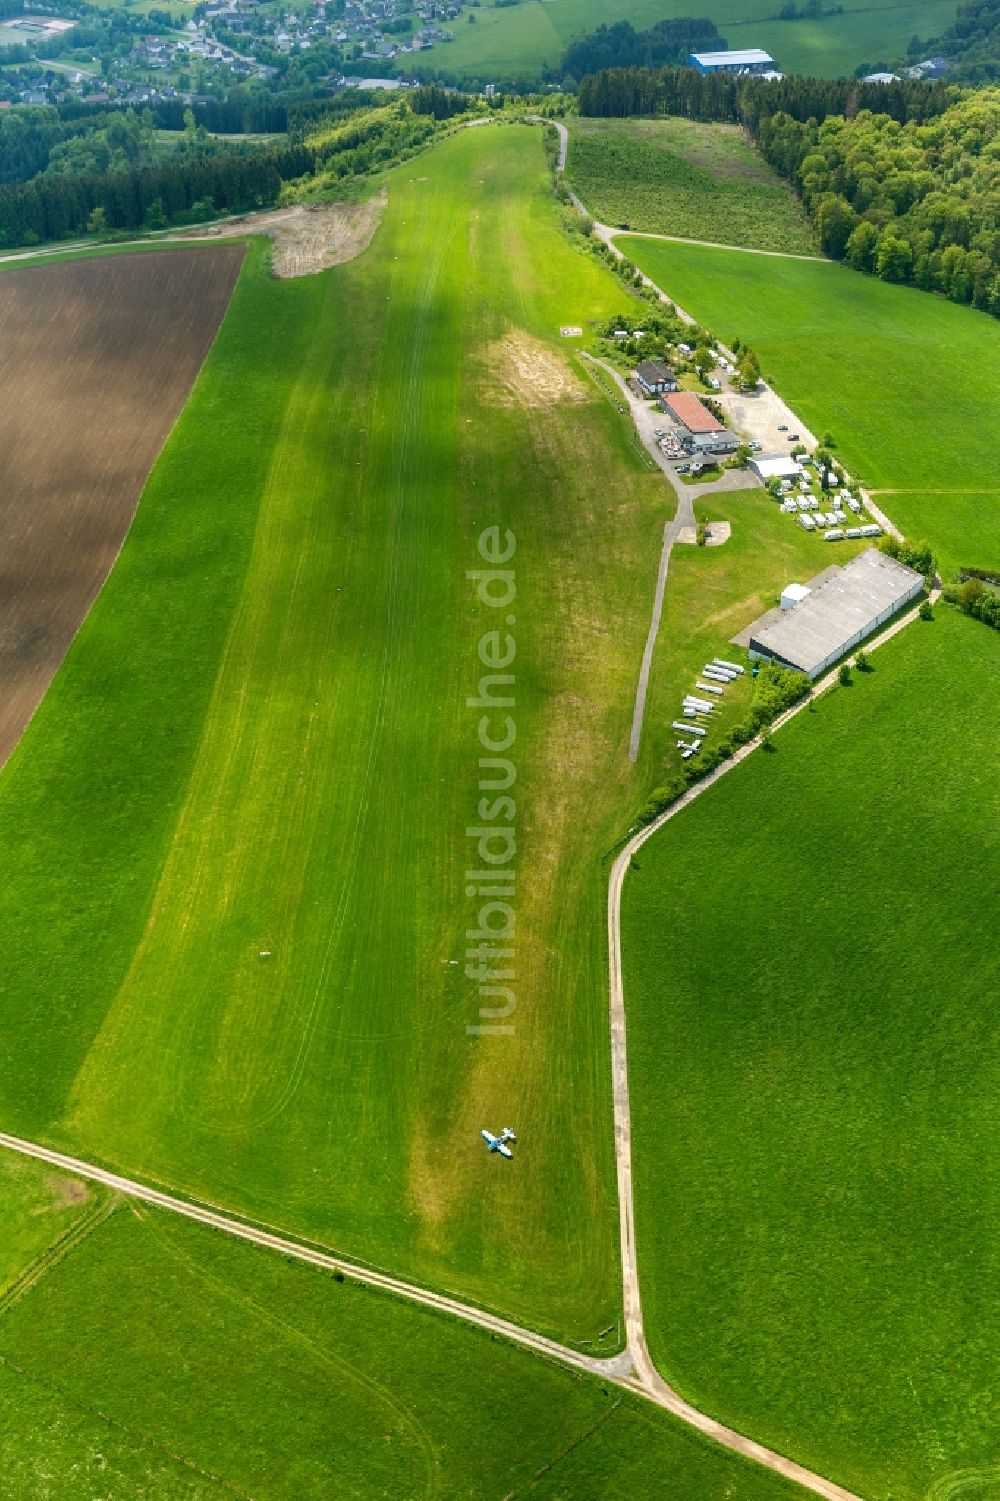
844,675
916,555
926,612
863,661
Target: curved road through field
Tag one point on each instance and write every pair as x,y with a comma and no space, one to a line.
633,1371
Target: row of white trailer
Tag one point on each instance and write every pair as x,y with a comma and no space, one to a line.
835,530
696,710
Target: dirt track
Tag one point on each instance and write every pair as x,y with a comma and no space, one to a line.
307,237
633,1370
96,361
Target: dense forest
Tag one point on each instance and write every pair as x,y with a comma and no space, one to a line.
109,176
621,46
59,206
911,202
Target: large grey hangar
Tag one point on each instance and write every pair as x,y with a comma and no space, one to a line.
846,606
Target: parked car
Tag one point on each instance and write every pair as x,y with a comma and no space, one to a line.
782,427
793,437
683,468
755,447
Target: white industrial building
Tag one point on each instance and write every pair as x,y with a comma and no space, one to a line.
842,608
775,466
744,60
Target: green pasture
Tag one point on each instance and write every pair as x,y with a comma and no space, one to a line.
965,524
235,913
901,378
162,1360
681,177
37,1208
810,970
515,41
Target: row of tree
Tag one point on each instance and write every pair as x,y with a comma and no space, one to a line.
745,100
58,207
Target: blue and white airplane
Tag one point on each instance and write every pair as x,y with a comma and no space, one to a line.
499,1143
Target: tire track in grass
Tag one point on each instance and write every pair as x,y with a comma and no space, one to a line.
322,1355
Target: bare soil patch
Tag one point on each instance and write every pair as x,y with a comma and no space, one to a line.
66,1192
96,361
525,372
309,237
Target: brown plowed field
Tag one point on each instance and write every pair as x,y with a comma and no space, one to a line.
96,360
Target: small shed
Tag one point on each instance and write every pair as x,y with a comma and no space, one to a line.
793,594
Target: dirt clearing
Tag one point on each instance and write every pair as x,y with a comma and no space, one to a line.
309,237
96,361
526,372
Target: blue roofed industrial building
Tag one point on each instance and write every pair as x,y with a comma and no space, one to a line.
746,60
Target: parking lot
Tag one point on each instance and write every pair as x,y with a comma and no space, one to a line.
761,415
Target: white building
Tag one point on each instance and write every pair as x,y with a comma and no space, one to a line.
745,60
793,594
776,466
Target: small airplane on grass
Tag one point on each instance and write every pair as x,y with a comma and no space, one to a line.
499,1143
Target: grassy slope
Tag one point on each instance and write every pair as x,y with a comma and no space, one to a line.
680,177
117,1379
898,376
515,41
286,762
810,965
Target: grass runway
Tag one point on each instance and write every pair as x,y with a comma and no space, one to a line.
261,745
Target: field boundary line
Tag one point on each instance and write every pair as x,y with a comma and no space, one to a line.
622,1370
649,234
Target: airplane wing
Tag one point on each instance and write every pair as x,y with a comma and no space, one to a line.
489,1139
504,1151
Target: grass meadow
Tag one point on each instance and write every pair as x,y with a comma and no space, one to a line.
514,41
681,177
37,1208
810,969
965,524
901,378
161,1359
260,745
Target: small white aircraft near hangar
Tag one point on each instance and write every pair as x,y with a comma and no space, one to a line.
499,1143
